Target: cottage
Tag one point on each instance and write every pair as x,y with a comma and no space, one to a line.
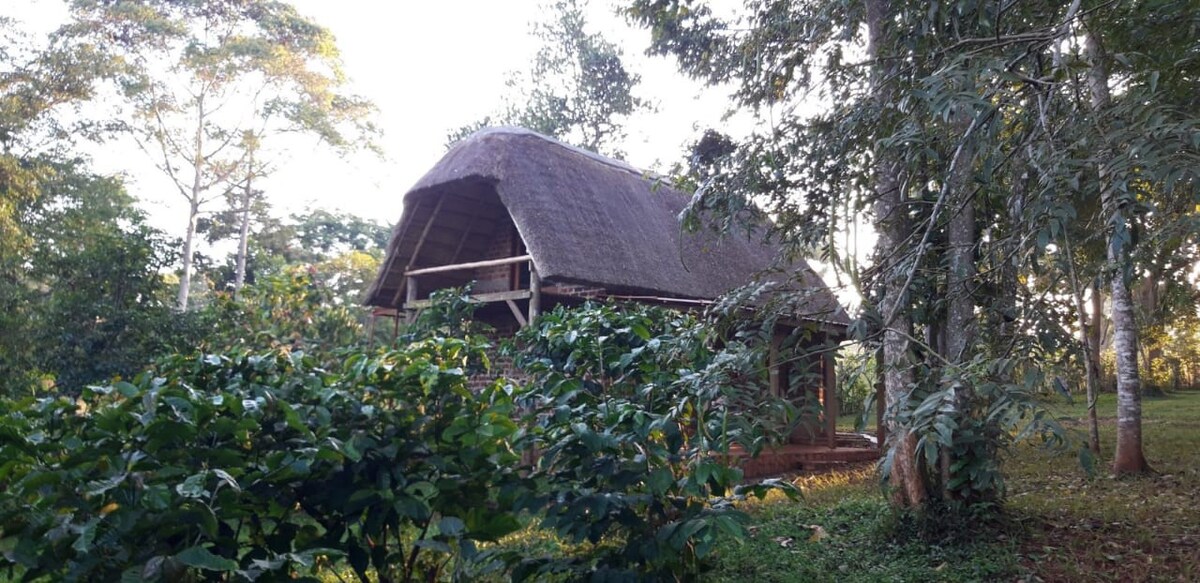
533,223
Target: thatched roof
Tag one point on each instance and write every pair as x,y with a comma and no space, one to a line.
585,219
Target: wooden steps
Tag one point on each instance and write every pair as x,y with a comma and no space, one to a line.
796,457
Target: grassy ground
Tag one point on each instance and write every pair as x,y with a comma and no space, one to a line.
1106,529
1058,525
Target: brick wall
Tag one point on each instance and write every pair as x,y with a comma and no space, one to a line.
577,291
498,277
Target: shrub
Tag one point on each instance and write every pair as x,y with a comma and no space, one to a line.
261,466
630,432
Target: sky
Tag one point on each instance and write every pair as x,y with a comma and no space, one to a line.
429,67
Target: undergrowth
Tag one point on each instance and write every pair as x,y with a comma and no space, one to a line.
1058,523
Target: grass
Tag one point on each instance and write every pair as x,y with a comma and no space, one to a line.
1106,529
1058,524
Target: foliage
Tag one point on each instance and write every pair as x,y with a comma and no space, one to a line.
262,466
856,376
345,250
968,132
293,310
36,84
206,82
578,89
267,462
629,437
84,302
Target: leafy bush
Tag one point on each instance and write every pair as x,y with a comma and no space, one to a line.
630,433
262,466
292,310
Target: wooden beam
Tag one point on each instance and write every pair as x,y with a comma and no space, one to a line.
424,233
829,366
420,243
462,241
394,243
517,313
520,294
535,293
465,266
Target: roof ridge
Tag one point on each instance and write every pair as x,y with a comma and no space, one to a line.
593,156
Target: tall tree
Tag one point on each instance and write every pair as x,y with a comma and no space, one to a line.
970,112
200,75
895,228
578,88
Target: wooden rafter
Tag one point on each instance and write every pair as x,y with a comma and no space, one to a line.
417,250
394,243
463,240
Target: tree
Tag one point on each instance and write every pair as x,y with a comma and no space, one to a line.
578,89
200,77
967,120
895,229
94,305
36,82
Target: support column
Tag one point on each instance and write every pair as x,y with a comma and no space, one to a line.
410,296
535,294
829,368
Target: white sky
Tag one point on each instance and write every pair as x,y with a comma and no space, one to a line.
430,67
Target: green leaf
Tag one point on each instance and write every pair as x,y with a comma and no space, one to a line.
97,487
193,486
87,534
660,480
450,526
202,558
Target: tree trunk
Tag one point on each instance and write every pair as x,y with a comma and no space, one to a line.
1092,381
906,479
239,278
959,333
1096,333
1129,458
198,164
185,278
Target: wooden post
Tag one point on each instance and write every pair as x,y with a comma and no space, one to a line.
410,287
829,366
535,294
